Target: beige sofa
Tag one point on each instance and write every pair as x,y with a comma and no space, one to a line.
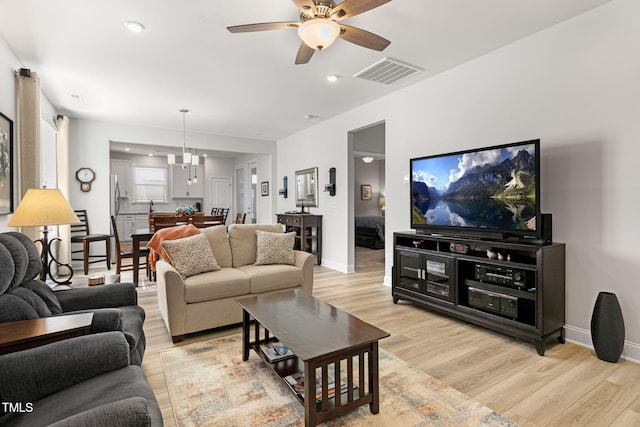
207,300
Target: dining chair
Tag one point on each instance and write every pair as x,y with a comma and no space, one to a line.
215,211
240,217
204,221
224,212
127,254
80,234
168,221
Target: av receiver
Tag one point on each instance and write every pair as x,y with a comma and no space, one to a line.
501,275
502,304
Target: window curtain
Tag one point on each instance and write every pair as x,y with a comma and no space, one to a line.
28,137
62,142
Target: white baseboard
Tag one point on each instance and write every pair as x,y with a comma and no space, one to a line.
342,268
582,337
387,281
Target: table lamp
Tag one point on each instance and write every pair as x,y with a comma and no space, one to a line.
41,207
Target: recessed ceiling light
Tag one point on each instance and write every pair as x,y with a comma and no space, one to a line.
127,149
332,78
150,154
134,26
76,97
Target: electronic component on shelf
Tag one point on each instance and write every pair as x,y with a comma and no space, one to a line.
501,275
502,304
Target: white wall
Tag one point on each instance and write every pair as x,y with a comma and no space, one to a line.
576,86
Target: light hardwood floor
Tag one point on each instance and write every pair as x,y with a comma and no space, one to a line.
568,386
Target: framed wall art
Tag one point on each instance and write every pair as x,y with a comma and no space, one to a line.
6,165
264,187
365,192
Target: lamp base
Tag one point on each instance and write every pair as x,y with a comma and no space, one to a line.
49,259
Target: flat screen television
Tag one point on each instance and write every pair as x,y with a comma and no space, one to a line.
491,192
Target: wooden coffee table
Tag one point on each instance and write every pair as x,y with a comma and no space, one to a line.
322,337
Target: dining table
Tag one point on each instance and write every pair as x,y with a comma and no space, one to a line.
138,236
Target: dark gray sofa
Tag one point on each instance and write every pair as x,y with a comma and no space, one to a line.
84,381
23,296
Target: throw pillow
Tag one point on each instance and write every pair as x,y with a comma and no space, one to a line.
275,248
191,255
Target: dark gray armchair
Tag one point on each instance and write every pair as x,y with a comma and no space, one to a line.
23,297
83,381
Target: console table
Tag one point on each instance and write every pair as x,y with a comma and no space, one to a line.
308,230
24,334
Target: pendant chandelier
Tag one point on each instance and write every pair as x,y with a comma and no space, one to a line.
188,159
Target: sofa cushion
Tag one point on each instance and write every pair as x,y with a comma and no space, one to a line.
13,309
44,291
228,282
169,233
265,278
7,268
275,248
35,262
20,258
243,241
219,242
105,389
191,255
32,299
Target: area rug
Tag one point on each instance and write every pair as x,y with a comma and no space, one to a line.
210,385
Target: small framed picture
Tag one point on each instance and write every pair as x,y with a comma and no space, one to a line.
365,192
264,187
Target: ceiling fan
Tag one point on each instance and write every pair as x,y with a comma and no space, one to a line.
318,27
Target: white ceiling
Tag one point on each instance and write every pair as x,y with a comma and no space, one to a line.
244,85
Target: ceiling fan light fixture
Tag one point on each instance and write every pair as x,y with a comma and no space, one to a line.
319,33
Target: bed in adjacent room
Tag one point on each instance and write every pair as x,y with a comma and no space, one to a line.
370,231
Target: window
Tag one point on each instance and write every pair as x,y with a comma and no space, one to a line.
149,184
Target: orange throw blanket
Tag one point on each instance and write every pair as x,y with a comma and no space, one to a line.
156,250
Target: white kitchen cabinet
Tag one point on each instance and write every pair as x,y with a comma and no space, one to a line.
142,221
122,168
126,225
180,189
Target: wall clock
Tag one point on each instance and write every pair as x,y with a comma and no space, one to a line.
85,176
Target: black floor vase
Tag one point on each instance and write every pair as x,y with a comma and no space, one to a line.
607,327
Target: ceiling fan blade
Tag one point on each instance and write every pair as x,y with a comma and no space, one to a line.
263,27
363,38
306,5
304,54
351,8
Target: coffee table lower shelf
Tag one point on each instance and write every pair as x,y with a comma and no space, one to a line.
284,368
365,377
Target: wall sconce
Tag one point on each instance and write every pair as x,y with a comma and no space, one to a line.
331,187
283,190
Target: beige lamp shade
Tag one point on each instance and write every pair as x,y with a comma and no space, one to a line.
43,206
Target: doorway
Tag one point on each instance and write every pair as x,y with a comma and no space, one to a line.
369,195
220,193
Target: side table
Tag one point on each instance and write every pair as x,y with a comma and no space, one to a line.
24,334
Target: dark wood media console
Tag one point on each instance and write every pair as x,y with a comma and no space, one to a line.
521,295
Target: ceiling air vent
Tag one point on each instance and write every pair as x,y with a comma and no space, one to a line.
387,71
